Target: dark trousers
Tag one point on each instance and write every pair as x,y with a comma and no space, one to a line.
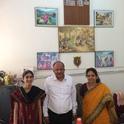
65,118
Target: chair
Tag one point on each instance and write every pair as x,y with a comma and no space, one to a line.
119,109
79,100
5,103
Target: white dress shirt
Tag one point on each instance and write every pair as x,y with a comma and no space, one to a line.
60,95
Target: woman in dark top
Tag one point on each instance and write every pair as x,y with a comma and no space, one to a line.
27,102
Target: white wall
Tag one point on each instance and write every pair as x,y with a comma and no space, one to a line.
20,40
111,38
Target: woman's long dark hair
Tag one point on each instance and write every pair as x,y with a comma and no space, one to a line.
95,72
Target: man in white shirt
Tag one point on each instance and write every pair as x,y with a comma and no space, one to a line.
60,102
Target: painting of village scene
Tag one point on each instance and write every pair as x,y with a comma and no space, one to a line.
103,18
46,16
76,39
104,59
45,60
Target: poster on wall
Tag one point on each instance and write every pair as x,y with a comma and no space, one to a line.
46,16
104,59
45,60
76,39
103,18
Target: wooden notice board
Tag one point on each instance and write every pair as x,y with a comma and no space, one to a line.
76,12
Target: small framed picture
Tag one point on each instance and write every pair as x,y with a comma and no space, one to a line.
76,2
104,59
45,60
104,18
46,16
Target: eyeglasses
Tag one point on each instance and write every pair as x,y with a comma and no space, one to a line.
59,70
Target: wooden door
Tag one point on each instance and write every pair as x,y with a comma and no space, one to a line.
76,15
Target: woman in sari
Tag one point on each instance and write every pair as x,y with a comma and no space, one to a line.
27,102
98,105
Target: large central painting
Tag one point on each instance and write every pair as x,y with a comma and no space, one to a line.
76,39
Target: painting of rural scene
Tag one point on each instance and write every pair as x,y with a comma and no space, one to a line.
46,16
104,59
76,39
104,18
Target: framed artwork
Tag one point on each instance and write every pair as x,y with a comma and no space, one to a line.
103,18
70,2
76,39
104,59
76,2
45,60
46,16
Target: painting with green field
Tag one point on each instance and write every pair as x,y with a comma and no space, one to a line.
46,16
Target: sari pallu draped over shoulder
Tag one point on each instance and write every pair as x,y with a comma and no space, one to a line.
98,106
24,111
